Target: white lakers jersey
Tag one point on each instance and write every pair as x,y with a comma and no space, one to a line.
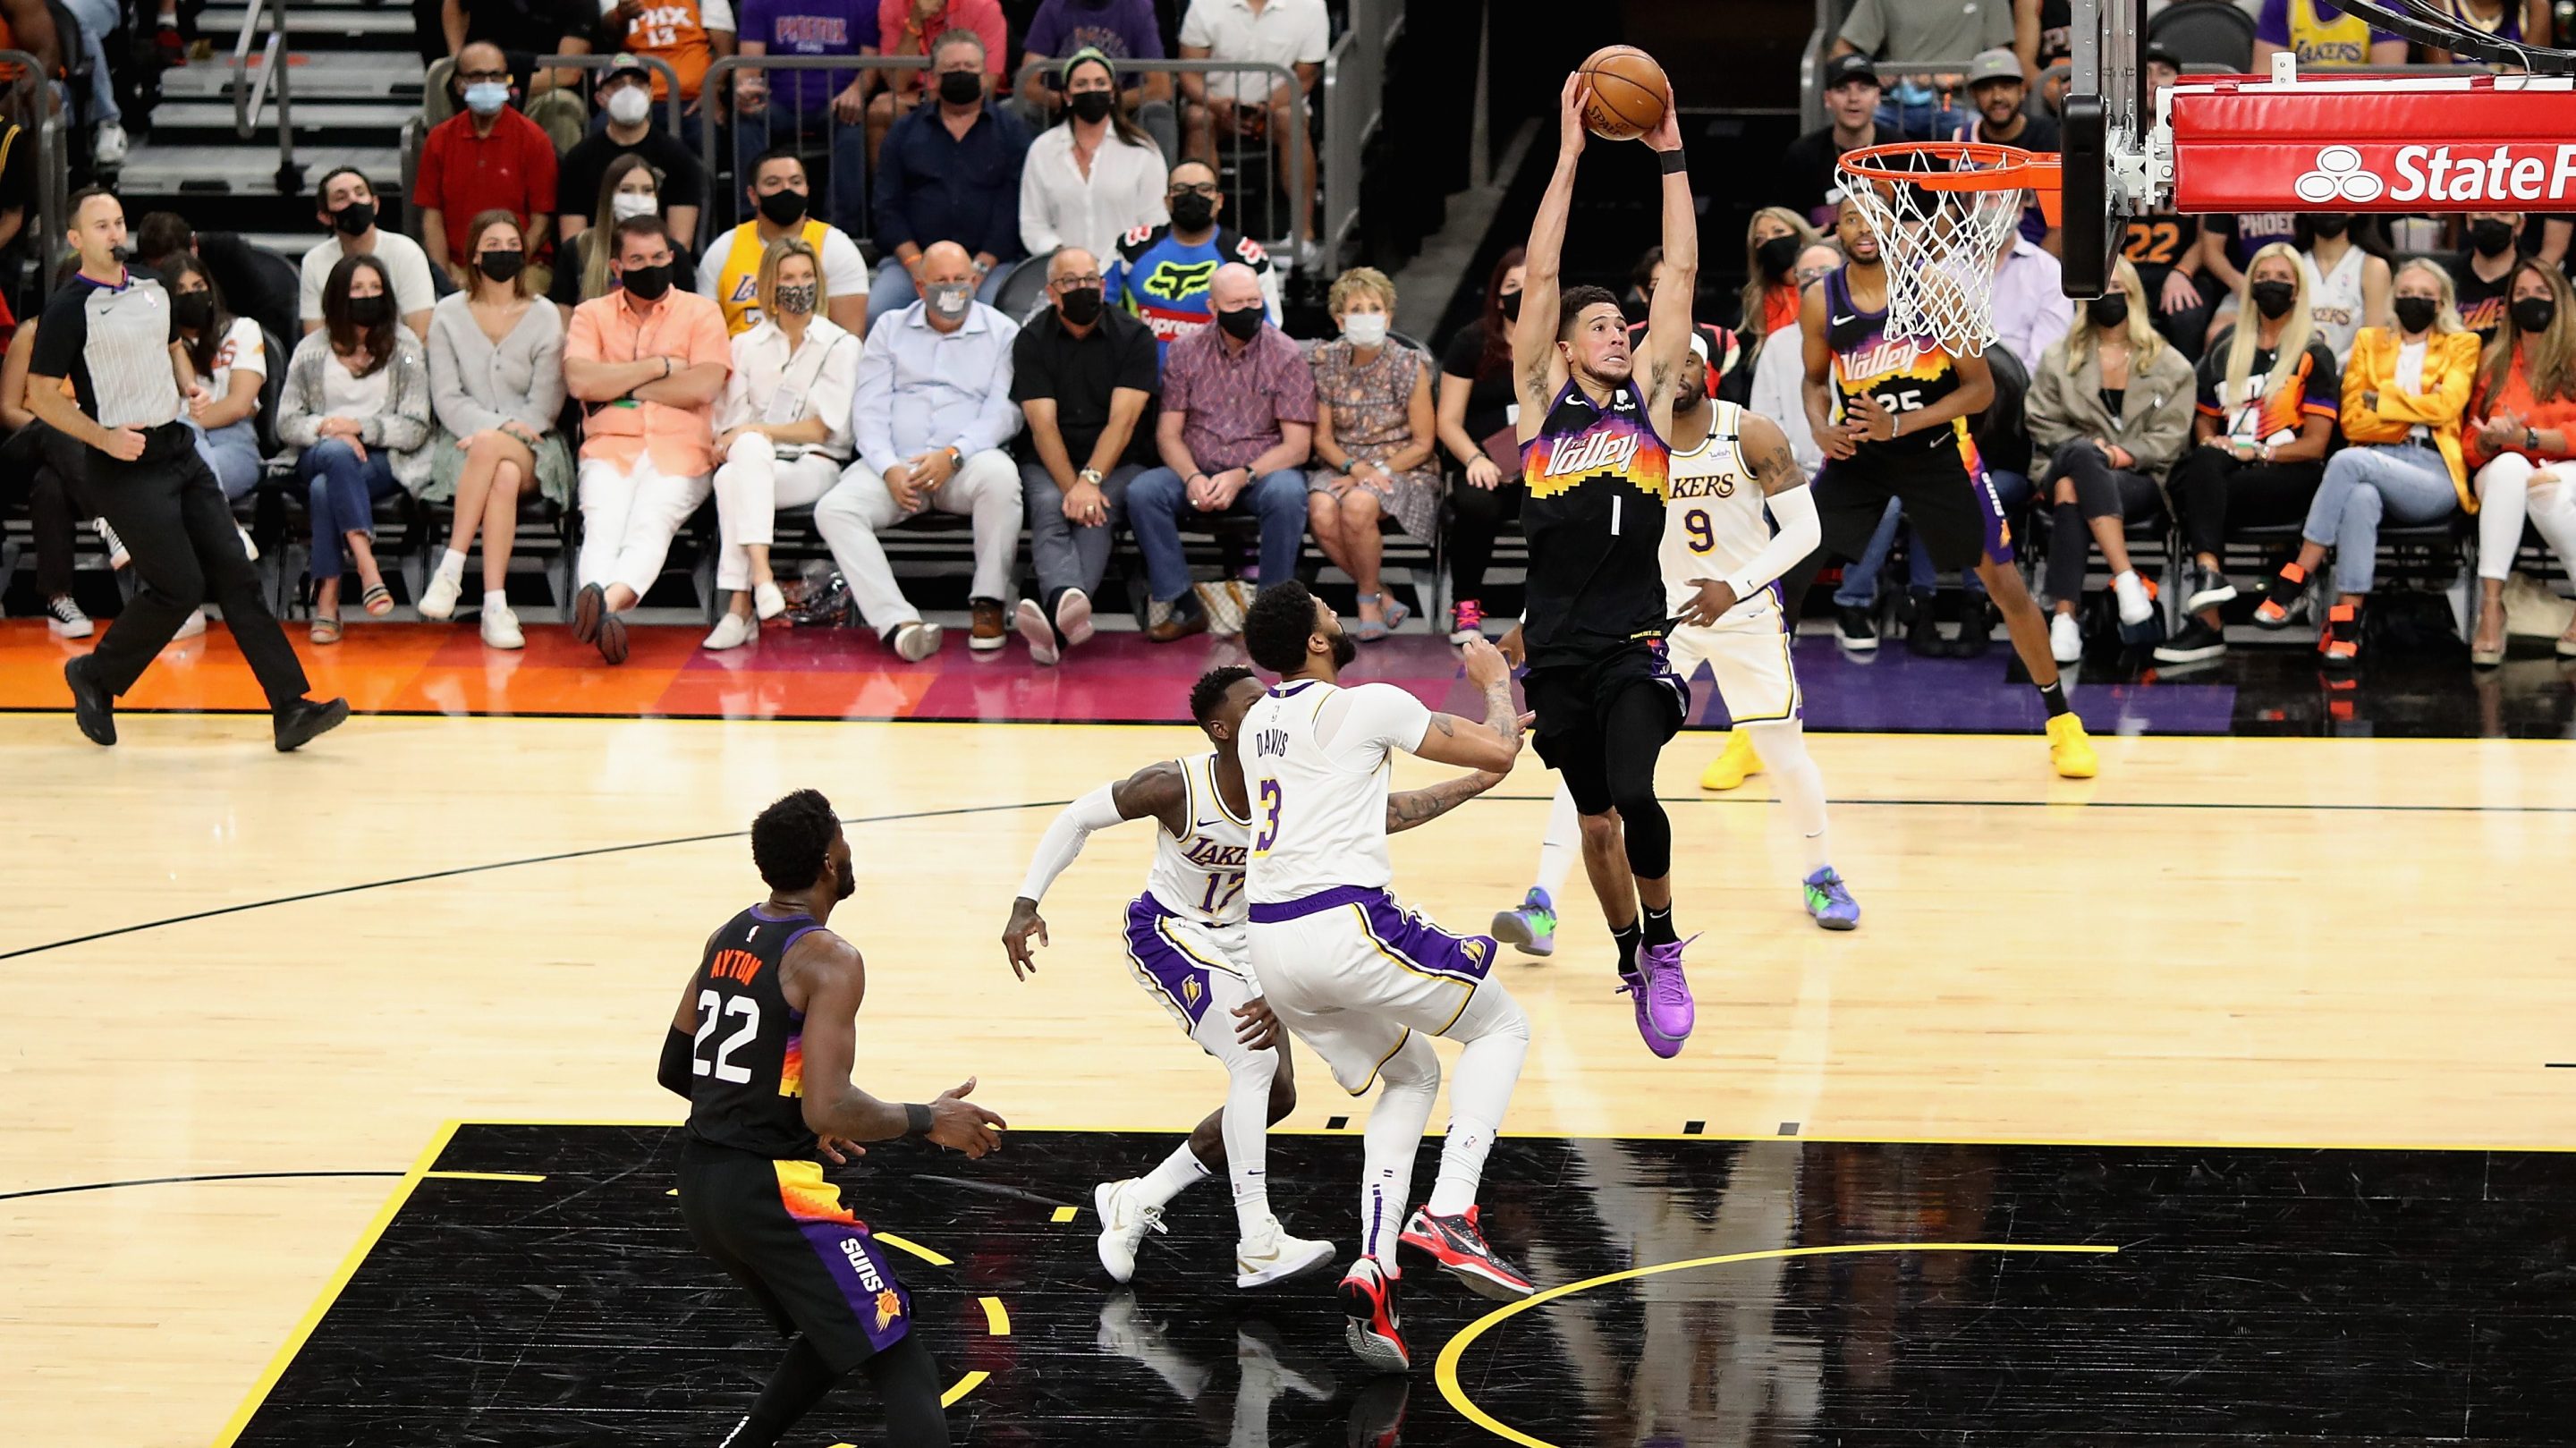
2335,300
1198,874
1319,760
1714,524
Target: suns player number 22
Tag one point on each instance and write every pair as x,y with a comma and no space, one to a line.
712,1008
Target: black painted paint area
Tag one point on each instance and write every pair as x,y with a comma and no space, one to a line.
2269,1296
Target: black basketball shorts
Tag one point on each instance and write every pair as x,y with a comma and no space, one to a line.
782,1232
1957,514
1576,701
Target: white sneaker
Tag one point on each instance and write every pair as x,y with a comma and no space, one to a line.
1310,256
117,557
438,601
250,550
107,144
64,619
1073,617
500,626
195,625
768,602
2131,594
731,632
1271,1255
1032,623
1123,1224
916,641
2065,639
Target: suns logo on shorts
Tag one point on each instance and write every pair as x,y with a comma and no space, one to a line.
889,1307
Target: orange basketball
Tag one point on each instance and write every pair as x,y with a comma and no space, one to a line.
1628,91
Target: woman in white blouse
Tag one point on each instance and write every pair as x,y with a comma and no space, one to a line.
783,429
1096,176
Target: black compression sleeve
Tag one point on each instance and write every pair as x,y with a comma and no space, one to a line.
674,1073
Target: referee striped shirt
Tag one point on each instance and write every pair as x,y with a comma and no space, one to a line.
113,342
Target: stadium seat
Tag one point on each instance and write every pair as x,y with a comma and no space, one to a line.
2209,32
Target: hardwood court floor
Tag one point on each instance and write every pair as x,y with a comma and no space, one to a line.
221,961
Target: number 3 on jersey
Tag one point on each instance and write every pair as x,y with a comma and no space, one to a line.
713,1007
1269,818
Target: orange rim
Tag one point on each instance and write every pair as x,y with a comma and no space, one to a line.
1988,168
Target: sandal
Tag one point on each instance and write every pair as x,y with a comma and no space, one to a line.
326,629
1396,613
1370,630
378,600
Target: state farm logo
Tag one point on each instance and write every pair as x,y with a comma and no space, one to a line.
2339,175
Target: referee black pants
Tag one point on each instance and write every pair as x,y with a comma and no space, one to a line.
171,514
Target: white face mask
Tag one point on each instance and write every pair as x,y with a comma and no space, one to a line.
629,105
628,204
1365,329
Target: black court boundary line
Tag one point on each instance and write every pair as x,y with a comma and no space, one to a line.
221,1176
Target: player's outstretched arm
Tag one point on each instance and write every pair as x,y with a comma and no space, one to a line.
1668,315
1784,488
835,1108
1534,335
1422,806
1157,790
1491,745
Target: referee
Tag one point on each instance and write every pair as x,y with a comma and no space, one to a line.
112,333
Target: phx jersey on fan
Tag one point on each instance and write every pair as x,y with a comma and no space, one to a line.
1904,374
1598,479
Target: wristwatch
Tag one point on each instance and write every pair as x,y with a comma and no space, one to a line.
2531,439
954,456
1089,475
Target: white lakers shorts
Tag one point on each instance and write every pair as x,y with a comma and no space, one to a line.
1195,971
1352,973
1748,651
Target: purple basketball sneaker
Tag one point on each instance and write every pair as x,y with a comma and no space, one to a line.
1665,1013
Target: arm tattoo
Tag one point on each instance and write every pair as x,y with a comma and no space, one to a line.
1777,471
1421,806
1443,723
1500,716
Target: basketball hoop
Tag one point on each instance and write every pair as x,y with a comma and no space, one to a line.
1941,211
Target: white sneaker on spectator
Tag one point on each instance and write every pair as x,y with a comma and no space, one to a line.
438,601
117,557
767,601
1310,255
107,144
2065,638
500,626
1073,617
64,619
195,625
250,550
915,641
731,632
2136,604
1033,625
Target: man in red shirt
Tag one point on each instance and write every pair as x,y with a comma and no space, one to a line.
486,157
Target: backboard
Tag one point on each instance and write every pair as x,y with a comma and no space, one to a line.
2106,115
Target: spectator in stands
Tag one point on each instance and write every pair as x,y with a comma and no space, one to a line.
1808,178
487,157
626,99
921,27
687,35
949,172
1780,371
584,266
2043,34
1916,32
1770,297
781,196
95,18
1474,421
17,172
2110,405
2165,246
2228,243
2404,392
783,429
2029,300
2521,22
2000,117
810,110
259,284
1095,176
1163,275
345,203
1374,434
2482,270
2268,396
1238,424
932,411
230,356
1719,351
647,362
528,31
46,470
1118,29
1083,373
357,404
496,376
2347,286
2521,432
1290,34
2323,37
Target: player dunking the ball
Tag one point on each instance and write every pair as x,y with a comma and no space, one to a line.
1905,406
1354,975
1592,432
761,1048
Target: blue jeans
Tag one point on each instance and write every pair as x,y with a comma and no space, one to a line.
1158,500
892,291
232,454
2410,484
342,493
844,197
97,17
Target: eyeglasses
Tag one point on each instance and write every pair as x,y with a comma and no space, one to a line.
1207,189
1077,282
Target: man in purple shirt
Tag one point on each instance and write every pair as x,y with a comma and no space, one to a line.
811,108
1119,29
1238,420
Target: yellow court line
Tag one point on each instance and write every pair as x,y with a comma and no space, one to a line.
1446,1373
962,1387
1066,1214
915,1248
482,1176
339,1282
997,1319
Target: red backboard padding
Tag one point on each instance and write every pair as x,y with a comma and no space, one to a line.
2449,143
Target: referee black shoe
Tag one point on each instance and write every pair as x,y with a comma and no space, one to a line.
305,720
93,708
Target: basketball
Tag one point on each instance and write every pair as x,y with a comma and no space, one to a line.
1628,91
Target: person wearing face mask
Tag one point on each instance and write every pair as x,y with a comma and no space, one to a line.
686,35
626,102
783,430
1770,297
2403,396
1083,374
486,157
782,202
2269,394
930,415
2483,268
2520,434
584,266
1162,273
526,31
1093,177
1118,29
345,204
2347,285
949,172
231,354
1374,432
921,27
357,404
1474,418
496,384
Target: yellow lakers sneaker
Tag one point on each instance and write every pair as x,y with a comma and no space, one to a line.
1733,765
2070,749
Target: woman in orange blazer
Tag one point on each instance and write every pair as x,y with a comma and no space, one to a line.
2521,435
2404,392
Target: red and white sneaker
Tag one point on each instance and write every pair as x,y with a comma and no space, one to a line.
1458,1245
1370,1325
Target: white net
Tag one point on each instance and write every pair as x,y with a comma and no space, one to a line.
1941,246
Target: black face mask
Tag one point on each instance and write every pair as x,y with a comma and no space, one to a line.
648,282
1776,256
372,311
501,266
1193,212
960,87
355,218
783,207
2534,314
2329,226
2415,314
1092,105
2273,299
195,310
2491,238
1511,306
2109,309
1242,324
1080,305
